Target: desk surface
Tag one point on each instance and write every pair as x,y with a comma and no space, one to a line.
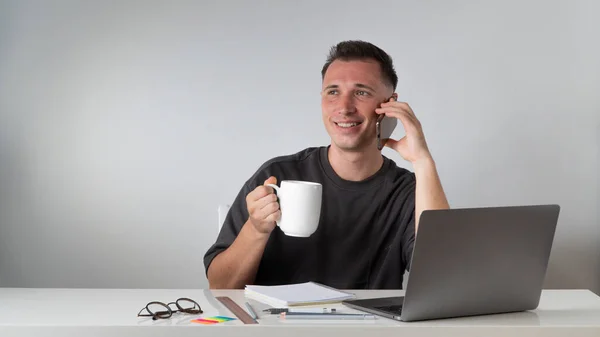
99,312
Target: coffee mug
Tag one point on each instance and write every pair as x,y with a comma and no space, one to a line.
300,205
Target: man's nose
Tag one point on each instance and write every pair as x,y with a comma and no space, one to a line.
347,105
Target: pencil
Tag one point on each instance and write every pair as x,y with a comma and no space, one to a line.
252,313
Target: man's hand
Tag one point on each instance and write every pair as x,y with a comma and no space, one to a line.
413,146
263,207
237,265
429,193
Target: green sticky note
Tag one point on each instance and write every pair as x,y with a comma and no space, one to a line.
222,318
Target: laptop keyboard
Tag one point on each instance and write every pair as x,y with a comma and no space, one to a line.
397,309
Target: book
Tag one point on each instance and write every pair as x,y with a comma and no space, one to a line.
308,293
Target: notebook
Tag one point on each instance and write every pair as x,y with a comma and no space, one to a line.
308,293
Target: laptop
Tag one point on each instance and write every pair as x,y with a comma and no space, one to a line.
473,261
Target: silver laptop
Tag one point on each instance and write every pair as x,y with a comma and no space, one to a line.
473,261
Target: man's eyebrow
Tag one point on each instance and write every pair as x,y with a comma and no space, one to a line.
358,85
364,86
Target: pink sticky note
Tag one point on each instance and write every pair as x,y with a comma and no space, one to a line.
204,321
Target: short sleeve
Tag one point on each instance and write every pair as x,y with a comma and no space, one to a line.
238,212
408,237
408,243
232,225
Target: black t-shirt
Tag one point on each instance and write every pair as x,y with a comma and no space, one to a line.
366,231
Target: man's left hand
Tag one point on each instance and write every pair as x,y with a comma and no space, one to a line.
412,147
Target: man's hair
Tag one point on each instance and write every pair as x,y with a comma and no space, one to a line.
360,50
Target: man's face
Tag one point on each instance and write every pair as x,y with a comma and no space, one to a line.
352,90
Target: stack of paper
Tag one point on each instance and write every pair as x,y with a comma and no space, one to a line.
296,294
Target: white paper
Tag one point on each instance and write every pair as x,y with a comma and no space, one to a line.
296,294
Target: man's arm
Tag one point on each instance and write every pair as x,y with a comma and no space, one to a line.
236,267
429,193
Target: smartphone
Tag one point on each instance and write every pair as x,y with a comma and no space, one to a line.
385,126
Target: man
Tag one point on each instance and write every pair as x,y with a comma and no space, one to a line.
370,207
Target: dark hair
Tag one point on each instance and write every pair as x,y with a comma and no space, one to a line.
361,50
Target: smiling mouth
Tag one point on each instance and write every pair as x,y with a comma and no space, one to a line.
348,125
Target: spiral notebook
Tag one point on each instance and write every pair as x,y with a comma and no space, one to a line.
308,293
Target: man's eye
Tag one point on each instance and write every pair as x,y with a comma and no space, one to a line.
362,93
332,92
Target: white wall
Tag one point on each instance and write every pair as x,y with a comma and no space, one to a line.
124,124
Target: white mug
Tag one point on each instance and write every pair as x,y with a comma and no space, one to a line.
300,205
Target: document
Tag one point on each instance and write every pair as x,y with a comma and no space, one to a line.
296,294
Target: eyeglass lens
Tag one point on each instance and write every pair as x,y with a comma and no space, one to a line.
188,305
159,310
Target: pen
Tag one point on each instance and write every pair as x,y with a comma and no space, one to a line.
291,315
252,313
307,310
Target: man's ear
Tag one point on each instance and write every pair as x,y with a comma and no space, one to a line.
394,96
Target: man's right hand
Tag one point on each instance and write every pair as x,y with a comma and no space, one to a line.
237,265
263,207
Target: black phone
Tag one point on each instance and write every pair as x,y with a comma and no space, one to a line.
385,126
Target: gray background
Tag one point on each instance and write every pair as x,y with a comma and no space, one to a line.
123,124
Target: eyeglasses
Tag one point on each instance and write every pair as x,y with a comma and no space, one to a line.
158,310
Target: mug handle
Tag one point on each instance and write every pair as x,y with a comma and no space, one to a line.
276,188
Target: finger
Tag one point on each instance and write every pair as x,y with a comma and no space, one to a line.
270,180
410,124
274,216
393,98
258,193
400,105
393,102
264,201
268,210
391,143
394,109
385,141
407,108
399,108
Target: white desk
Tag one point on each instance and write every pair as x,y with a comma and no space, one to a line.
113,312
